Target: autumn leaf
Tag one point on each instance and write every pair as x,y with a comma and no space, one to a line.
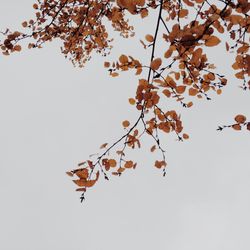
160,164
248,126
128,164
104,145
132,101
180,89
240,118
83,173
178,67
149,38
112,163
70,174
153,148
183,13
156,63
236,127
212,41
123,59
193,92
125,124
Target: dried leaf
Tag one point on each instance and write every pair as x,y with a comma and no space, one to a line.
125,124
240,118
212,41
156,63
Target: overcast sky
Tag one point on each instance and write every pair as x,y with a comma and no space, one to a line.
53,116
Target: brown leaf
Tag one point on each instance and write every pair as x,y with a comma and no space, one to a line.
132,101
125,123
193,91
70,174
82,173
248,126
240,118
160,164
180,89
112,163
104,145
149,38
153,148
128,164
212,41
123,59
236,127
156,63
81,189
166,92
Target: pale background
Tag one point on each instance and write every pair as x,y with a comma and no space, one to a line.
53,115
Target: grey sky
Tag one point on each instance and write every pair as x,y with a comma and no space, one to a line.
54,115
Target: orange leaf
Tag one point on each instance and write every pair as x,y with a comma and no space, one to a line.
212,41
83,173
35,6
160,164
236,127
193,91
240,118
166,92
125,123
156,63
149,38
180,89
128,164
17,48
183,13
131,101
112,163
123,59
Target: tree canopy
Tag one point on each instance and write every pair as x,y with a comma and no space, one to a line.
186,31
